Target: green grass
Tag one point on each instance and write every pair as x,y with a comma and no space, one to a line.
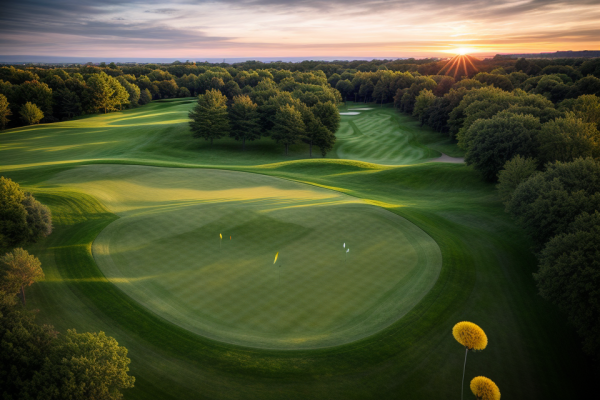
485,275
165,253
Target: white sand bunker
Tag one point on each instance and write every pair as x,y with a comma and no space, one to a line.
349,113
361,109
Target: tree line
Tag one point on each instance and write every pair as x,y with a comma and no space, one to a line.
46,94
538,137
37,362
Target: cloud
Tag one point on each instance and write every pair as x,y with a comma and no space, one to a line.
162,11
228,27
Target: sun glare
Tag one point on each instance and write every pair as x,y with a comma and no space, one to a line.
461,51
464,51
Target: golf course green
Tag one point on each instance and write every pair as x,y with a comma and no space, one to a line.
165,252
138,209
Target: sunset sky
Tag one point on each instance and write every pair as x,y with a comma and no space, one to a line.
303,28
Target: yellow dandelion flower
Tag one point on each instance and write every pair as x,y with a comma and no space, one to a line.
485,389
470,335
473,338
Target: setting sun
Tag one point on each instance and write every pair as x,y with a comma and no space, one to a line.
461,51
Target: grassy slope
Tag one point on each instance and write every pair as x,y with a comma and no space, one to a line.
486,278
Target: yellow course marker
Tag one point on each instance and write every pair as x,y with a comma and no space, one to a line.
275,258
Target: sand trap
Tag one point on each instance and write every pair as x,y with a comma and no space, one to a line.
349,113
447,159
361,109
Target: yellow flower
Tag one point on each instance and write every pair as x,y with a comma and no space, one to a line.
485,389
470,335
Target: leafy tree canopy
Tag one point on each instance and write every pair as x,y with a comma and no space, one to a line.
569,276
546,203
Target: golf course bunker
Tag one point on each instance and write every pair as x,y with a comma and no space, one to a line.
165,252
349,113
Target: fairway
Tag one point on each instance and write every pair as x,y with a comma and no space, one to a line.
165,252
138,206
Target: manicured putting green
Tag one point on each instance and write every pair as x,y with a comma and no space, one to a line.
165,253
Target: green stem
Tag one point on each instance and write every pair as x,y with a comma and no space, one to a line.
462,388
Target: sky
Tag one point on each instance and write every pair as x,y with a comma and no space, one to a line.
189,29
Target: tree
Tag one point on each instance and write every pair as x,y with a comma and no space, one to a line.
499,81
19,269
334,79
39,363
522,64
145,97
39,218
94,359
67,103
13,214
22,218
488,101
31,114
422,103
209,119
183,92
167,88
133,91
104,92
121,95
245,121
444,86
497,140
4,111
345,88
515,171
569,277
546,203
318,134
328,114
288,126
34,92
99,92
566,139
409,97
586,107
366,90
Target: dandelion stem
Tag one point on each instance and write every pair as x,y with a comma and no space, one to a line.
462,388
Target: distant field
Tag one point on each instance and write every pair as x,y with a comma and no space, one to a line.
135,253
